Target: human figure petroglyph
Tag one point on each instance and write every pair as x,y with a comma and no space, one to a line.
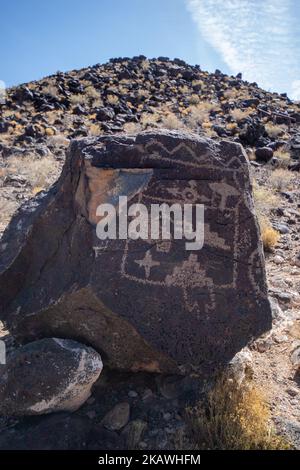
147,263
224,190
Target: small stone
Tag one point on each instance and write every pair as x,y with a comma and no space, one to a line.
117,417
278,259
133,394
282,228
148,394
292,391
295,357
167,416
241,366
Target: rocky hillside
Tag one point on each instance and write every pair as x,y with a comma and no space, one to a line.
38,121
126,95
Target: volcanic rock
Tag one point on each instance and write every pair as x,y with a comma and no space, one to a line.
263,154
144,304
46,376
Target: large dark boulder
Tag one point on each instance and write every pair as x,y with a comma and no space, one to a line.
144,304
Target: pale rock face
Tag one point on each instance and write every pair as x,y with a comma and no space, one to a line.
48,375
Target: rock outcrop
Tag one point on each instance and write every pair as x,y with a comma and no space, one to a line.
143,304
46,376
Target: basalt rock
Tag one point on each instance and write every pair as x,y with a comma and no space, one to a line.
48,375
144,304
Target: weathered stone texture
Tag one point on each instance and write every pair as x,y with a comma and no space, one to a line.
145,305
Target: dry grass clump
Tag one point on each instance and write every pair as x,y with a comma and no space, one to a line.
50,90
275,130
281,179
239,114
78,99
171,121
40,173
194,100
112,99
59,140
149,120
95,129
145,65
265,200
284,158
132,127
93,95
269,235
200,113
233,417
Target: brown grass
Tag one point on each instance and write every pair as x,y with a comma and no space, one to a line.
284,158
200,113
194,100
269,235
265,199
282,179
238,114
39,172
233,417
112,99
275,130
171,121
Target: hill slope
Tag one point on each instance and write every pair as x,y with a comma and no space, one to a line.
38,120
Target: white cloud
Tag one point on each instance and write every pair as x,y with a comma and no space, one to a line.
260,38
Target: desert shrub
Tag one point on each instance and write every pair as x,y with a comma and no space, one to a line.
200,113
59,140
269,235
145,65
284,158
132,127
78,99
95,129
51,90
39,172
265,199
194,100
112,99
232,417
171,121
239,114
231,126
274,130
281,179
93,95
149,120
184,90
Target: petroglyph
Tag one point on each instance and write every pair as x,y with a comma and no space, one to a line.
152,298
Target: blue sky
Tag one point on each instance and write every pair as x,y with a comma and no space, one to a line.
260,38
